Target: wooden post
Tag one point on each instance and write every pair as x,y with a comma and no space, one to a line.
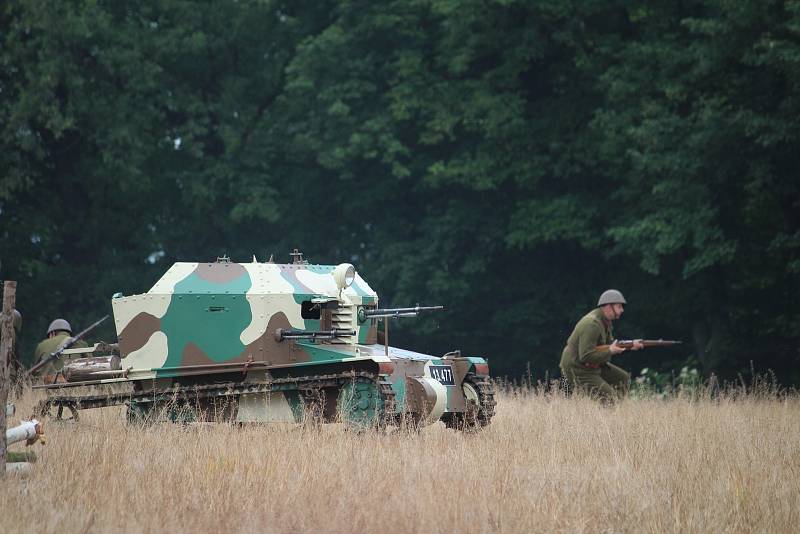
6,343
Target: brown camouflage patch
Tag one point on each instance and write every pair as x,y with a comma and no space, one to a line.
193,355
372,333
138,331
220,273
266,348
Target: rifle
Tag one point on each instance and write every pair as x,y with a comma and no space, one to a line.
628,343
64,346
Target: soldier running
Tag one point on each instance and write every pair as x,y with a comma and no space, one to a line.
587,368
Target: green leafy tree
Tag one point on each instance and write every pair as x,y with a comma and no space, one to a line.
507,159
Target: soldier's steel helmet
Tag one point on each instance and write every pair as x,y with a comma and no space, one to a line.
611,296
59,324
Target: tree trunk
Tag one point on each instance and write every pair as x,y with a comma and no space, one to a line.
6,342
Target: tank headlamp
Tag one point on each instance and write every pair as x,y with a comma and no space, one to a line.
344,274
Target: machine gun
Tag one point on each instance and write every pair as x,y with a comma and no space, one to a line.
64,346
383,337
291,333
364,314
628,343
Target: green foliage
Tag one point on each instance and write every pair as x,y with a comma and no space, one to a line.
507,159
650,382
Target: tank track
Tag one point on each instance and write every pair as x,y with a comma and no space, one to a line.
305,385
479,416
486,398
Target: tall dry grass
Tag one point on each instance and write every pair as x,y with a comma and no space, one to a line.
546,464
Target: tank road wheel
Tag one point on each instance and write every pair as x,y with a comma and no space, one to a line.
46,408
479,395
361,406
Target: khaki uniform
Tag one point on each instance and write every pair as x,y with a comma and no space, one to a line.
589,369
50,345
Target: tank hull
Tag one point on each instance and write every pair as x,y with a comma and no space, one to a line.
265,342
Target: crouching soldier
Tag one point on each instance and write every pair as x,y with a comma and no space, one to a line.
584,365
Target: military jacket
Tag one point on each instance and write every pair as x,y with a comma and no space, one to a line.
592,330
49,345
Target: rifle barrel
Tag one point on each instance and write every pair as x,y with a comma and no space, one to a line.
650,342
90,328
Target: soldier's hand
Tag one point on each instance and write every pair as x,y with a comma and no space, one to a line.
615,348
637,344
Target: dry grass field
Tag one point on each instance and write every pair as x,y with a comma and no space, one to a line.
544,465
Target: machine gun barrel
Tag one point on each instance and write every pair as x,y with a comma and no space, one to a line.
291,333
400,312
67,344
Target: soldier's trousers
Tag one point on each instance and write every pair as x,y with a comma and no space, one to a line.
608,383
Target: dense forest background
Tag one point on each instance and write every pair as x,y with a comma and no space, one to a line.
508,159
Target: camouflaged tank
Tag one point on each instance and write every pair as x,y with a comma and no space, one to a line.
268,342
